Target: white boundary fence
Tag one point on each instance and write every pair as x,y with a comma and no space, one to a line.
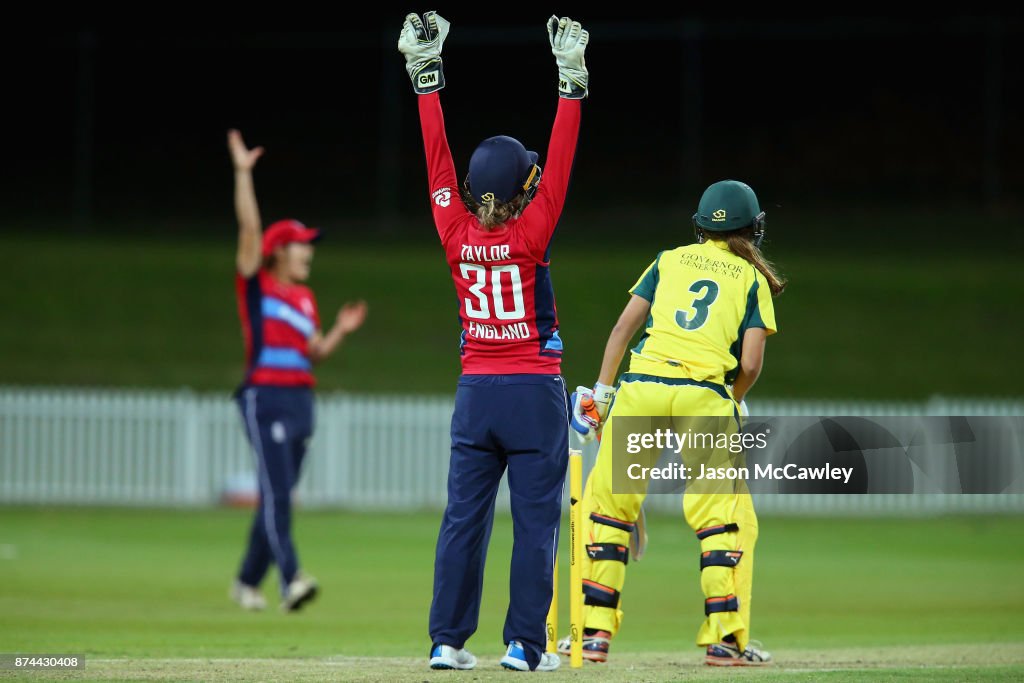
158,448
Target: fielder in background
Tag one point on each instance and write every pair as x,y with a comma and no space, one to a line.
511,404
706,310
281,327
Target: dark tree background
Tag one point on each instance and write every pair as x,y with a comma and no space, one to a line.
115,129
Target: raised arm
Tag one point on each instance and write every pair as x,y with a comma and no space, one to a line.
442,182
250,231
568,43
420,42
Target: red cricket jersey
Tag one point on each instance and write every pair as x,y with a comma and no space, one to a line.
502,278
278,320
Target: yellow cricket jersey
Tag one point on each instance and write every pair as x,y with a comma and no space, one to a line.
703,298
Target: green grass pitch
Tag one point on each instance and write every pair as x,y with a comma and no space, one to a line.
143,594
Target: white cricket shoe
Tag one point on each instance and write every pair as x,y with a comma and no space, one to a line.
301,590
447,657
248,597
727,654
515,659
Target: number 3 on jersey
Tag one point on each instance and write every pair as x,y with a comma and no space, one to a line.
481,308
707,292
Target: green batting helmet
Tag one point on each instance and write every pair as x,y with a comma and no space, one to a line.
729,205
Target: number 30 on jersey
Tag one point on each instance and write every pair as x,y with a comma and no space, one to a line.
494,285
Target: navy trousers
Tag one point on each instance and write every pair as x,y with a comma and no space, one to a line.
518,422
278,422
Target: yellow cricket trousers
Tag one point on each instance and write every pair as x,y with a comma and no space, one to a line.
725,523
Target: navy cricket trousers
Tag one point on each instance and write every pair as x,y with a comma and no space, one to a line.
518,422
278,422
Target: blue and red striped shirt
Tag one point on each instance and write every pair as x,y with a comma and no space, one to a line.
278,320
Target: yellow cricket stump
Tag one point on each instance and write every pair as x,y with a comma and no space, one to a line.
552,623
575,569
576,558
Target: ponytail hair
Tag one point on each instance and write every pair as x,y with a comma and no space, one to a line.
494,212
741,243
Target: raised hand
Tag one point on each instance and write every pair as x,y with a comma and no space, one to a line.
351,316
421,41
242,157
568,43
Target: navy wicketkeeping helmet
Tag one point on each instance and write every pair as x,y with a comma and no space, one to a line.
500,169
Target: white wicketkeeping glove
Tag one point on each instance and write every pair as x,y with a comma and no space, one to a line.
568,42
420,41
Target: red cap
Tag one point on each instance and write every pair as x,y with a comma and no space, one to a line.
282,232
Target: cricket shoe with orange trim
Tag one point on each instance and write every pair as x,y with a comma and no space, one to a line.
595,646
727,654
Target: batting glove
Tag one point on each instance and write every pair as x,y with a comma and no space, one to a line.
603,397
568,41
420,41
584,422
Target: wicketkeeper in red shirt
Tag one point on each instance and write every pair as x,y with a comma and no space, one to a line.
511,407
